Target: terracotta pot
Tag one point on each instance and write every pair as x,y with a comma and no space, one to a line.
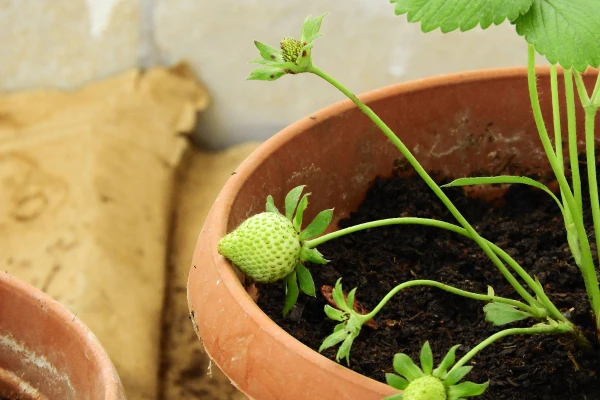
454,124
46,352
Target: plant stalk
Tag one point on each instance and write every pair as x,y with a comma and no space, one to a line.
549,306
559,328
586,264
447,288
572,133
428,180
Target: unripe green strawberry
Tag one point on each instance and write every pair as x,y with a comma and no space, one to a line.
265,247
425,388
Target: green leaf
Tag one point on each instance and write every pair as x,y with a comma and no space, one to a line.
310,29
291,293
441,371
401,6
334,313
406,367
265,74
456,375
395,381
333,339
270,206
501,314
307,285
466,389
426,359
449,15
268,53
291,201
312,255
317,225
565,31
300,212
504,179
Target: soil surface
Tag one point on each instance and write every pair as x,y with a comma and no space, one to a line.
528,226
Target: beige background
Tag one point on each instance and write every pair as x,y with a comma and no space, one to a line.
65,43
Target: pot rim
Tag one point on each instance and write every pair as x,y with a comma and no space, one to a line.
107,375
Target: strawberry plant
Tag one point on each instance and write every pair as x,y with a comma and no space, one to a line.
271,246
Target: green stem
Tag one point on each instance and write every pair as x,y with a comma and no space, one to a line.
549,306
590,105
586,263
572,237
572,129
590,119
590,152
595,97
425,176
447,288
559,328
556,116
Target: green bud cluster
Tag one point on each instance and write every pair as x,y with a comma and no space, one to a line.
290,49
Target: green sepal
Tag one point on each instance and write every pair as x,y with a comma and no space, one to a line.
406,367
305,279
501,314
291,292
334,313
310,29
397,396
339,334
304,60
268,53
344,350
350,299
396,381
265,74
442,370
338,296
277,64
291,201
300,212
312,255
426,359
270,206
466,389
456,375
317,225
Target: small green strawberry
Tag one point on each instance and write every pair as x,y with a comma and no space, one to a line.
269,246
425,388
265,247
426,383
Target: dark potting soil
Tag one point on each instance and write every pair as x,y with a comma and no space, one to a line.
528,227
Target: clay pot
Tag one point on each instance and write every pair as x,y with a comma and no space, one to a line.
46,352
454,124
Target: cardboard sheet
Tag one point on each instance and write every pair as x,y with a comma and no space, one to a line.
85,198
